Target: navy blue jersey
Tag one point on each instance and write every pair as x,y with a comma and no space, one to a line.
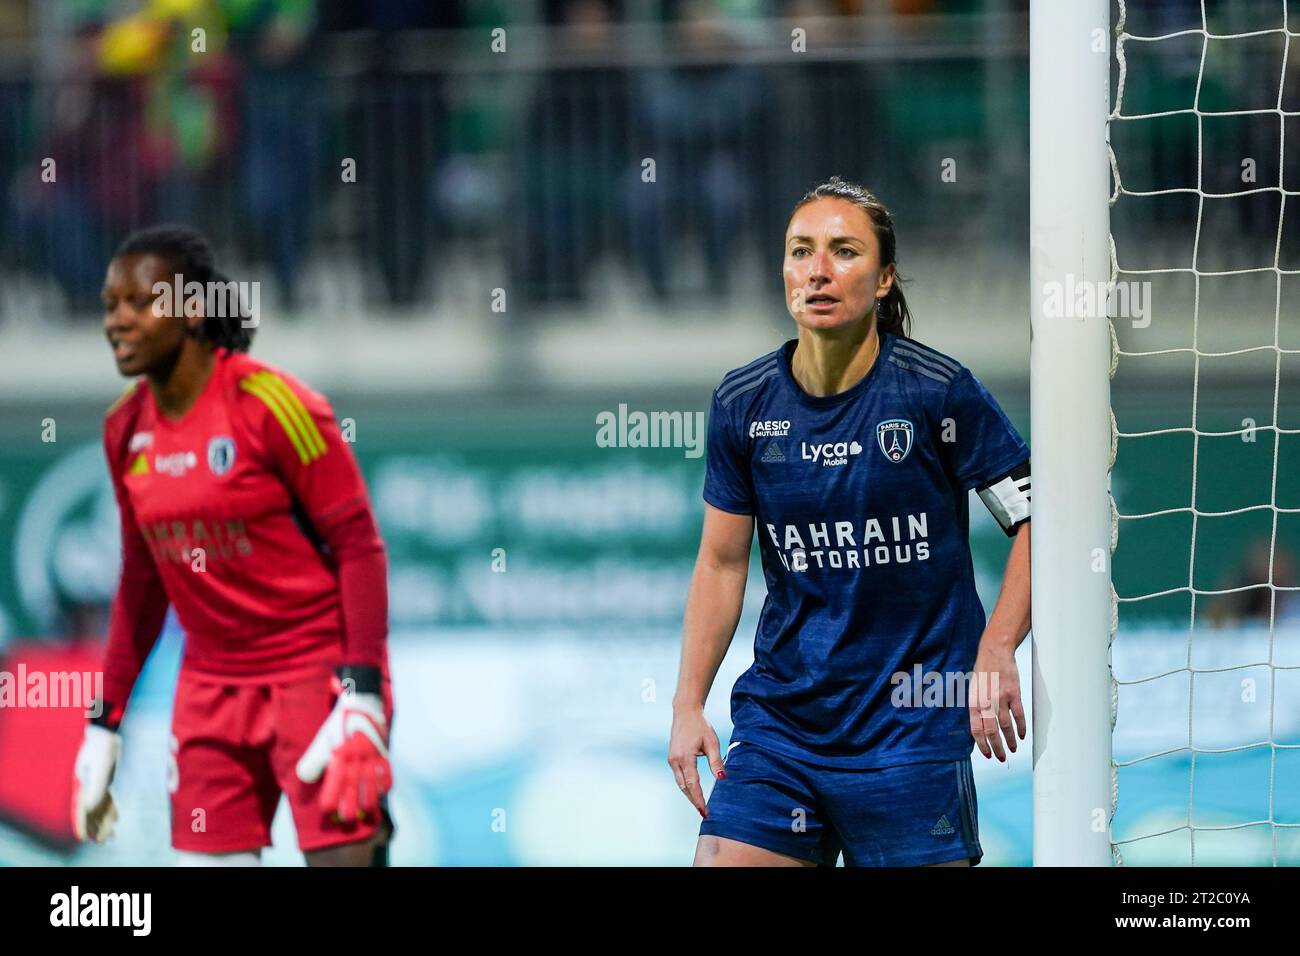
860,506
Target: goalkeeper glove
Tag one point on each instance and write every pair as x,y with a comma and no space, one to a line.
93,810
351,751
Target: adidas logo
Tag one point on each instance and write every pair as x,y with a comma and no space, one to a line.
774,452
942,827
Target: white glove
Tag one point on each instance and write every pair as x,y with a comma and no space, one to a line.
351,751
93,810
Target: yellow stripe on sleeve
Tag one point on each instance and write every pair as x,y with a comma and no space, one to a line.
257,387
310,433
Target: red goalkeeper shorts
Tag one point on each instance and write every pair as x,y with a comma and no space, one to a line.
234,750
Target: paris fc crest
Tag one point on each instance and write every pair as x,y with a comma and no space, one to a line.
221,454
895,438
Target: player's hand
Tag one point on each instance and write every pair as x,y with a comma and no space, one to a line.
93,810
692,737
351,751
994,699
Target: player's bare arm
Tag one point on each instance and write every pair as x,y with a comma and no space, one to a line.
712,612
996,700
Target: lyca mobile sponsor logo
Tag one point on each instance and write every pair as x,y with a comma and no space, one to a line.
830,453
175,464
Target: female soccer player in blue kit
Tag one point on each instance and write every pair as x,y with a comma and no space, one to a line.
852,450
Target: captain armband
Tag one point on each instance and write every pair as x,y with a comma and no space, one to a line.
1007,498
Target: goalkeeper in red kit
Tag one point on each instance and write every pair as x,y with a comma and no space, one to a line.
241,506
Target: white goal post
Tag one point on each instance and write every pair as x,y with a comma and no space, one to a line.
1070,435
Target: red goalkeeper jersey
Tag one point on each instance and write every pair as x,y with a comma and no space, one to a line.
249,514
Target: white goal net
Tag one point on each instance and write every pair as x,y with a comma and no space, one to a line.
1205,418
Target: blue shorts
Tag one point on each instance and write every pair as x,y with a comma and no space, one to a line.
908,815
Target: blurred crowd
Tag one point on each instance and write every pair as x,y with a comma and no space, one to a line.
238,116
1247,596
242,117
